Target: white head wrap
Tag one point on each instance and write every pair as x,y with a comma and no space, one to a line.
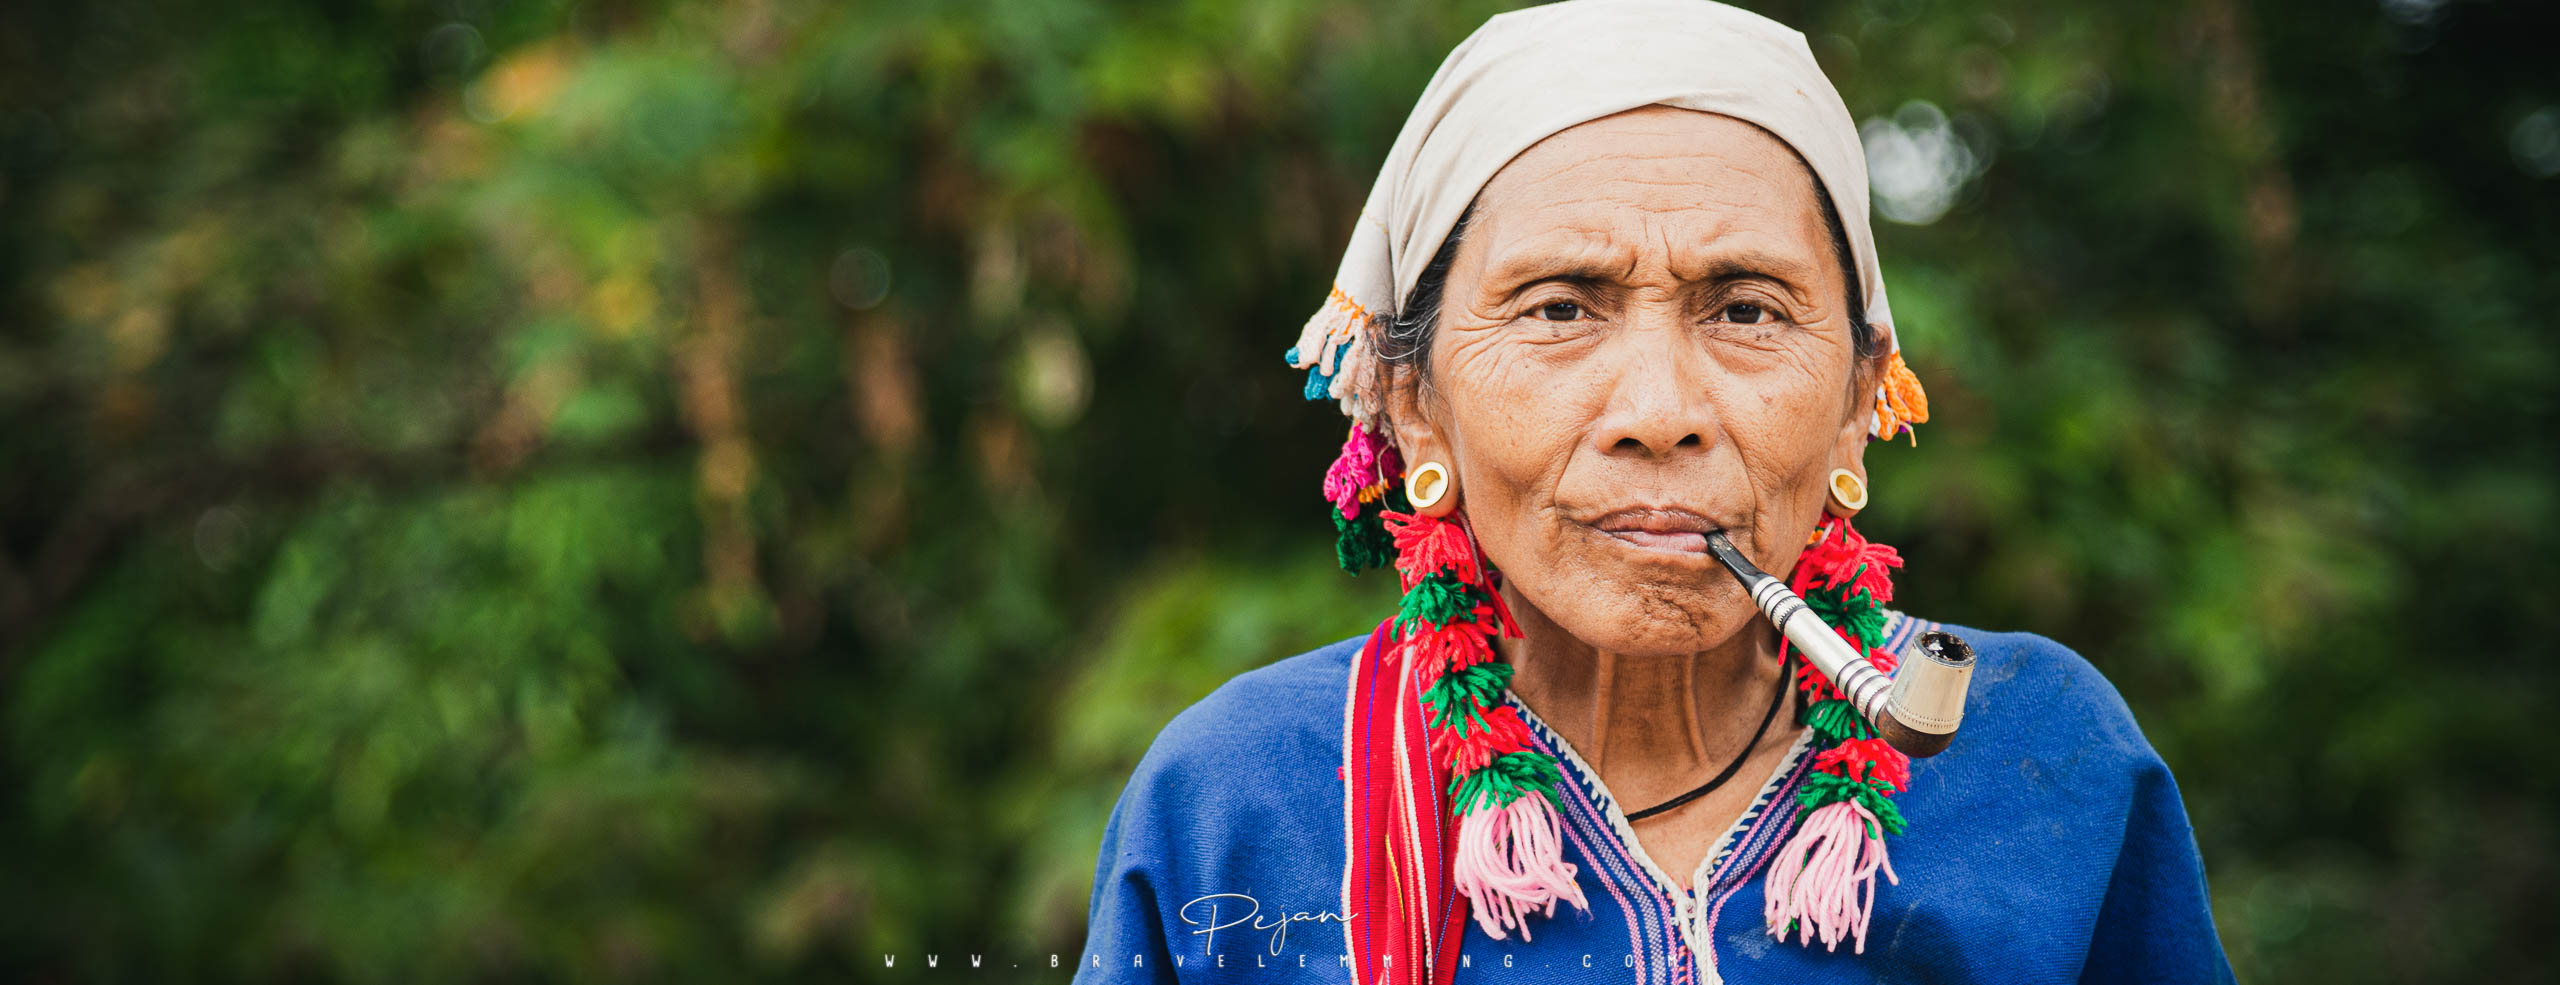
1531,73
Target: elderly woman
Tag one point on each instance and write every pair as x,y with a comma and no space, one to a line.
1613,305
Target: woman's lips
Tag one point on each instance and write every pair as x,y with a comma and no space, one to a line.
1671,530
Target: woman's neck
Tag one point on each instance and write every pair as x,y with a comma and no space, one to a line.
1654,726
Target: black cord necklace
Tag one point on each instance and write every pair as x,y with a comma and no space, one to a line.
1774,701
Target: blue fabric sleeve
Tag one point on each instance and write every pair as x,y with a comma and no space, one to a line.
2156,924
1124,920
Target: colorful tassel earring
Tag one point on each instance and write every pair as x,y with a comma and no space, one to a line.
1822,883
1509,856
1899,402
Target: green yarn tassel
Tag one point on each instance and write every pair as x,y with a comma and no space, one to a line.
1504,779
1822,789
1458,698
1837,721
1361,543
1859,614
1439,600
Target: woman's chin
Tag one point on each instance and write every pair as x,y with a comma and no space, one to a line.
1646,621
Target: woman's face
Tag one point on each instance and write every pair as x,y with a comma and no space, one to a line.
1642,339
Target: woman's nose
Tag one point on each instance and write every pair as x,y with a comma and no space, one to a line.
1658,402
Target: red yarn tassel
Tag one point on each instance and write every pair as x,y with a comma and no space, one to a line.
1427,545
1469,750
1456,646
1867,759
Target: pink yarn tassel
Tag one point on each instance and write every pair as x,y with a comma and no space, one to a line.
1356,469
1825,879
1511,861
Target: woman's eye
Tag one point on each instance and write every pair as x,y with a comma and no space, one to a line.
1745,313
1560,311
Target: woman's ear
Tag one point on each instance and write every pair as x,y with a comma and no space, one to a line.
1848,454
1849,446
1420,442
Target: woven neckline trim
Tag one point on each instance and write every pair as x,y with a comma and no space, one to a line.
1687,901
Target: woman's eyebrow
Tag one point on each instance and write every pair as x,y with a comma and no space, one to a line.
1580,275
1579,266
1740,264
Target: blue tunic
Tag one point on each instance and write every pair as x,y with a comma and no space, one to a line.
2047,844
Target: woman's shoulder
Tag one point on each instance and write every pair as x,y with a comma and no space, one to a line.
1272,729
2037,704
2028,678
2050,792
1235,809
1286,697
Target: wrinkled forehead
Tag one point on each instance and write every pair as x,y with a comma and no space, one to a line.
1692,151
1678,192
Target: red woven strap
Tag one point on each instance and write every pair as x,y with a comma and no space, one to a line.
1406,920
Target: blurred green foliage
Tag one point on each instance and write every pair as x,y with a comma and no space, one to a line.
646,491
